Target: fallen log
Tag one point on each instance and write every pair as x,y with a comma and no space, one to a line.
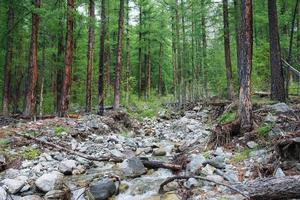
287,187
147,163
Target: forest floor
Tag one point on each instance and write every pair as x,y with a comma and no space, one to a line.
33,169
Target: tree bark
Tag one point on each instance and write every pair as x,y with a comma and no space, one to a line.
30,97
119,58
59,72
204,46
277,79
160,75
287,187
90,56
127,54
101,59
65,94
140,52
227,51
237,36
246,35
8,60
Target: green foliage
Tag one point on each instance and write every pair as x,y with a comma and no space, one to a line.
264,129
59,130
227,117
241,155
4,143
30,153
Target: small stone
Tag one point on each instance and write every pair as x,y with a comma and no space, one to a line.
31,197
123,187
279,173
12,173
132,167
159,152
275,133
208,170
191,182
217,162
55,195
196,163
50,181
15,185
102,190
215,178
171,186
252,144
171,196
66,166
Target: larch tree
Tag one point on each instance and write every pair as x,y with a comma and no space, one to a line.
8,59
30,97
90,56
116,104
227,51
66,87
246,52
127,54
277,79
101,59
140,51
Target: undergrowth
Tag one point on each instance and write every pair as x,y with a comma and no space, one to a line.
227,117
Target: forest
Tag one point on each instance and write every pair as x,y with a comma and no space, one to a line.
149,99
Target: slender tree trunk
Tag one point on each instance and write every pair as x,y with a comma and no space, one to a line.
227,51
8,60
204,46
90,56
30,97
65,94
237,36
148,93
277,80
160,75
174,56
42,77
107,49
246,35
101,58
127,53
59,73
119,58
140,52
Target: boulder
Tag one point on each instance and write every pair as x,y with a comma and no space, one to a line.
280,107
196,163
50,181
102,190
66,166
16,184
31,197
55,195
133,167
3,194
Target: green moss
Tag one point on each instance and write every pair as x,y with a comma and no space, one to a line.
227,117
30,153
265,129
241,155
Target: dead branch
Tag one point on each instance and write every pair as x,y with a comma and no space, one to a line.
170,179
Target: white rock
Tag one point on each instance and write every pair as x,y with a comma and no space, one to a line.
252,144
49,181
15,185
208,170
3,194
196,163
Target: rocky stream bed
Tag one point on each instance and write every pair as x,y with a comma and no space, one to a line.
48,173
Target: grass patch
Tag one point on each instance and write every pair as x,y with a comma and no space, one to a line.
227,117
241,155
59,130
265,129
30,153
4,143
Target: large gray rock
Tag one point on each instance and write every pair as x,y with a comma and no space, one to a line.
217,162
280,107
133,167
275,133
3,194
196,163
50,181
55,195
102,190
16,184
66,166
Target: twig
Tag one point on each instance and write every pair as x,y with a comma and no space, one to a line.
170,179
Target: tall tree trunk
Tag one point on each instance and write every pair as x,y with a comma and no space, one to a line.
101,58
227,51
8,59
148,92
160,75
140,52
107,50
277,80
127,54
30,98
174,56
237,36
246,35
119,58
90,56
289,58
59,72
204,46
65,94
42,76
